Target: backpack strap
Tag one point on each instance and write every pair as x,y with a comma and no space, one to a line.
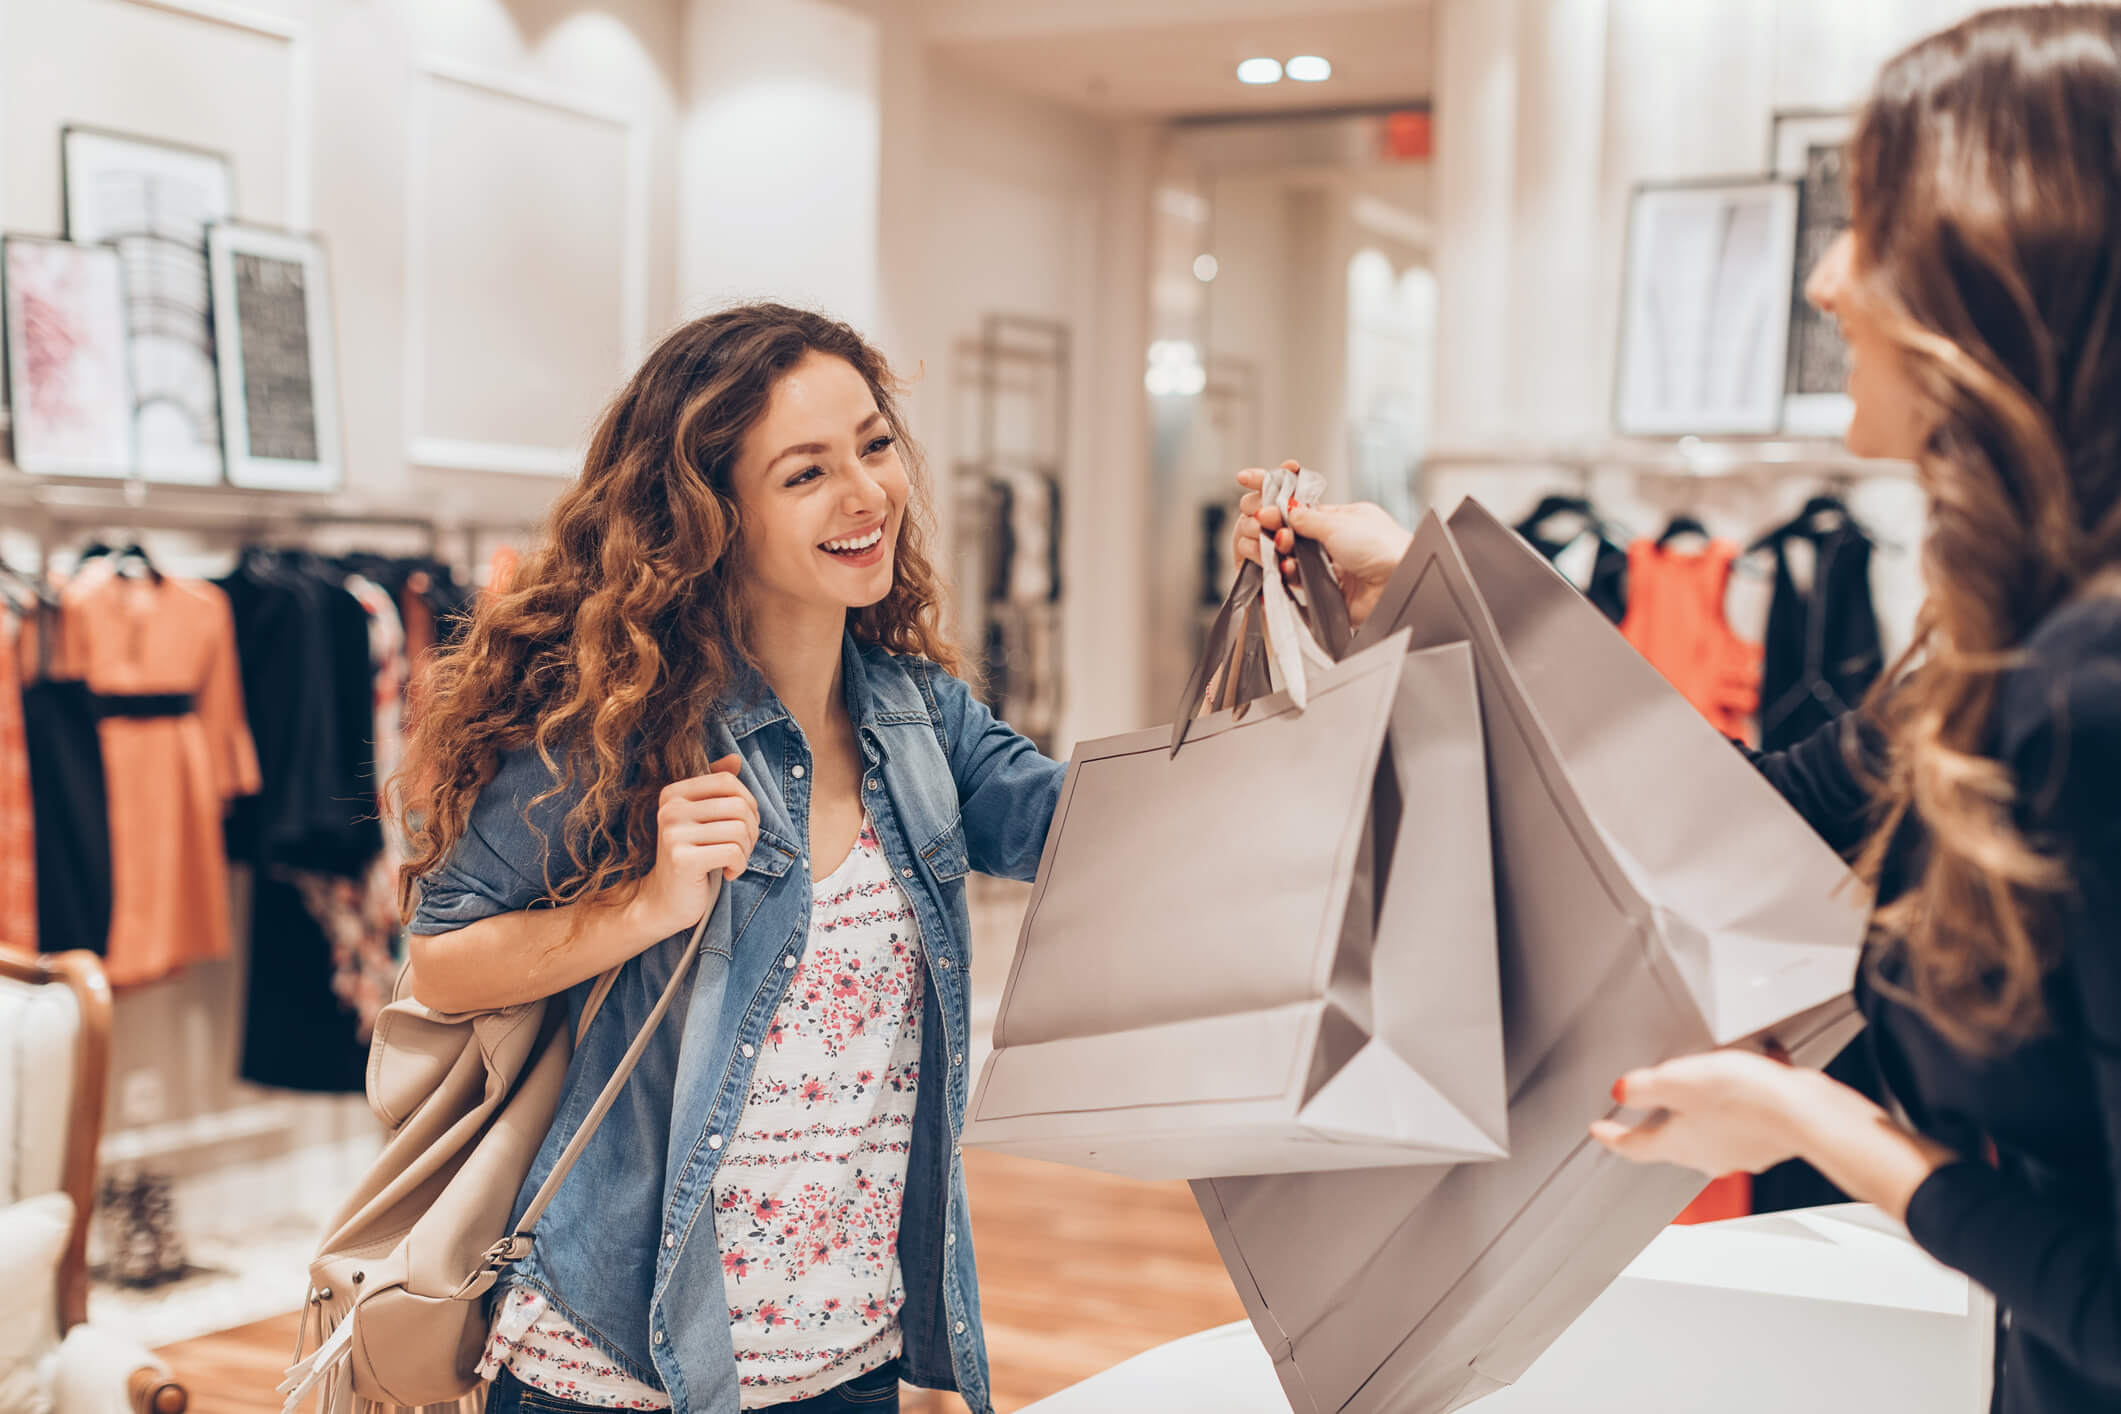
516,1245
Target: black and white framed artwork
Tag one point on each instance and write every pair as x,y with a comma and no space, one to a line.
153,201
278,373
1706,316
1810,148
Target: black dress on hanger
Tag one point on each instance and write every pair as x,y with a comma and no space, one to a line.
1823,649
69,810
1822,655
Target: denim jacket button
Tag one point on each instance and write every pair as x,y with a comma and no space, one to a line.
748,1052
796,771
943,962
714,1141
960,1329
908,873
788,961
659,1336
670,1239
874,784
950,1240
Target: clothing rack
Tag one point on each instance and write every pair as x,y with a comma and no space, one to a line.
1686,457
54,508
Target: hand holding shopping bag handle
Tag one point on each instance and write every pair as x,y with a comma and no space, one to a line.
1362,541
1276,643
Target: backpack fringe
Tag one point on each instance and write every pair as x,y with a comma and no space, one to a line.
327,1373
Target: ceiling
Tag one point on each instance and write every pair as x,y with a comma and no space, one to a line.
1178,58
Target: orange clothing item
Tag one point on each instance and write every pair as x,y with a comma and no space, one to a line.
18,841
1675,619
169,778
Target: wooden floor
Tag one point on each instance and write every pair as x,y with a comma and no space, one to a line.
1078,1271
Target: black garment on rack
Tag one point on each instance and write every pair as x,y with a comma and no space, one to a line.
308,682
1823,650
302,640
1608,588
287,675
297,1035
69,810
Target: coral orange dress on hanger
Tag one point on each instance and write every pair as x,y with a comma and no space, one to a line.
161,658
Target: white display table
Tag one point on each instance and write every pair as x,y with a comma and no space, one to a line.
1827,1311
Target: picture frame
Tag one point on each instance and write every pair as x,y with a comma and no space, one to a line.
1705,311
1807,147
276,357
153,200
69,384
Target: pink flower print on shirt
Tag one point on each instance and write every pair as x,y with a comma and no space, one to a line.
737,1263
825,1130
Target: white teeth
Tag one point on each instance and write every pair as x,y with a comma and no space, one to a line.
856,546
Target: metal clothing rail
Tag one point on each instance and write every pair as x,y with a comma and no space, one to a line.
1686,457
47,507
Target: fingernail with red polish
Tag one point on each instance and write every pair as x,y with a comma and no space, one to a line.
1620,1087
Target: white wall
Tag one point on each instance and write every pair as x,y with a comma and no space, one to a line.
1548,113
779,171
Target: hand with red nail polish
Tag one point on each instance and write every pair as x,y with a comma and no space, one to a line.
1718,1113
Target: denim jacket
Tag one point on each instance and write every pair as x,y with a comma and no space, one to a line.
627,1251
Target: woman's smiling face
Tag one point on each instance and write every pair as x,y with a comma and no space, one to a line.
821,492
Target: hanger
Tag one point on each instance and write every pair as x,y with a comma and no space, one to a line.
1555,506
1822,515
1682,524
129,553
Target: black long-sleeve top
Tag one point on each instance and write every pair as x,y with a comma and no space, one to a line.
2038,1225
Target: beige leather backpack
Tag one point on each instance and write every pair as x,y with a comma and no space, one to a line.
397,1314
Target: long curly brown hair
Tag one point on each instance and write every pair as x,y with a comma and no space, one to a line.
625,625
1986,179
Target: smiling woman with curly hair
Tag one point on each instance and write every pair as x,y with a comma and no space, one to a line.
726,659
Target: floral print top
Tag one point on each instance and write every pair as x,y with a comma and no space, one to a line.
807,1196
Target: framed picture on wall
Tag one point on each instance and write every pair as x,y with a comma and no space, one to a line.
69,387
278,372
153,201
1705,318
1810,149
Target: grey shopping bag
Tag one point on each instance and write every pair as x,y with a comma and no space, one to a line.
1655,897
1270,948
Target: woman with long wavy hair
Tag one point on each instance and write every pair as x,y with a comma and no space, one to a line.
726,658
1979,789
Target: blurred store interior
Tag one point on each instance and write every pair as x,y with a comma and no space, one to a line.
1112,272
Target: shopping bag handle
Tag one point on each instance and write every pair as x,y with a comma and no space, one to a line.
1245,677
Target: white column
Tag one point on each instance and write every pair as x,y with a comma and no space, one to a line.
1476,123
779,156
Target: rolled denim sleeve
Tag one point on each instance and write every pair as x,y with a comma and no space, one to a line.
500,862
1006,790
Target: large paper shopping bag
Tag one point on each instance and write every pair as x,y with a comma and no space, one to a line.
1655,897
1271,948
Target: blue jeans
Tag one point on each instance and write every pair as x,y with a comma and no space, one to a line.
873,1393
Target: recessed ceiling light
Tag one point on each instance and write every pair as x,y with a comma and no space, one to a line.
1205,267
1259,71
1309,68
